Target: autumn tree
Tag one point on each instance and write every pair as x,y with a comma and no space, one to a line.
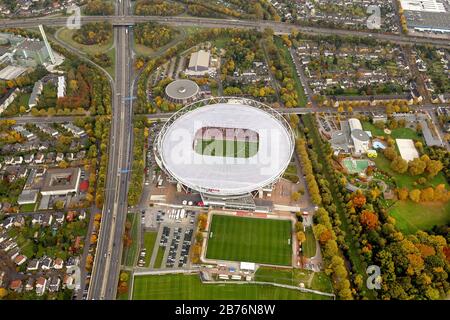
427,194
399,165
416,166
358,199
368,219
3,293
402,194
301,237
414,195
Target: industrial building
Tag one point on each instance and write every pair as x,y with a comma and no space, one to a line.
199,63
427,15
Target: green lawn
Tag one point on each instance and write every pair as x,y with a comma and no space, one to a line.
149,244
291,173
27,207
159,257
129,254
250,239
406,180
412,217
112,55
189,287
399,133
319,280
309,246
67,34
226,148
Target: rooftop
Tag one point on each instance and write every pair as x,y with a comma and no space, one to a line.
360,135
226,175
182,89
61,179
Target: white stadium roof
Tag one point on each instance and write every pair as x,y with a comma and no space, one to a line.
226,175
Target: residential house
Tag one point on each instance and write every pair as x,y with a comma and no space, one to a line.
16,285
47,220
55,284
46,263
30,284
39,158
28,158
20,259
41,286
33,265
59,157
58,264
59,217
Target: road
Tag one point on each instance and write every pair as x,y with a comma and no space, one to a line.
184,21
106,265
106,268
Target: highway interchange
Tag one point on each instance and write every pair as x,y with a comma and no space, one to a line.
106,266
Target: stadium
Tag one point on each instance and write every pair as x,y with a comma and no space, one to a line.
225,148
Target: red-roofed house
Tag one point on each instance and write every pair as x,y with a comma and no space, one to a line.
16,285
20,259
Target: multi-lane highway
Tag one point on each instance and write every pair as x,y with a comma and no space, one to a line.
107,261
278,27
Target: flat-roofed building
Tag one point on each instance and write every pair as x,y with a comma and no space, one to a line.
7,99
28,197
11,72
61,181
61,86
34,97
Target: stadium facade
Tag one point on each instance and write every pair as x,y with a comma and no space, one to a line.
249,147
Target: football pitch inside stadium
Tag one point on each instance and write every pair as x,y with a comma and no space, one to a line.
257,240
189,287
226,148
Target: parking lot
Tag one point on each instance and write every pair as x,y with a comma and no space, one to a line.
175,233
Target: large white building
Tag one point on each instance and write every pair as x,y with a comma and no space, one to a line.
427,15
423,5
61,181
225,177
359,137
61,86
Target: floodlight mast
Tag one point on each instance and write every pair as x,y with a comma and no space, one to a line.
47,44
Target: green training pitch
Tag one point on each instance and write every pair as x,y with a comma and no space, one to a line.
250,239
226,148
189,287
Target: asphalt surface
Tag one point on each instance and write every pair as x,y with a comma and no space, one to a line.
106,267
278,27
105,273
